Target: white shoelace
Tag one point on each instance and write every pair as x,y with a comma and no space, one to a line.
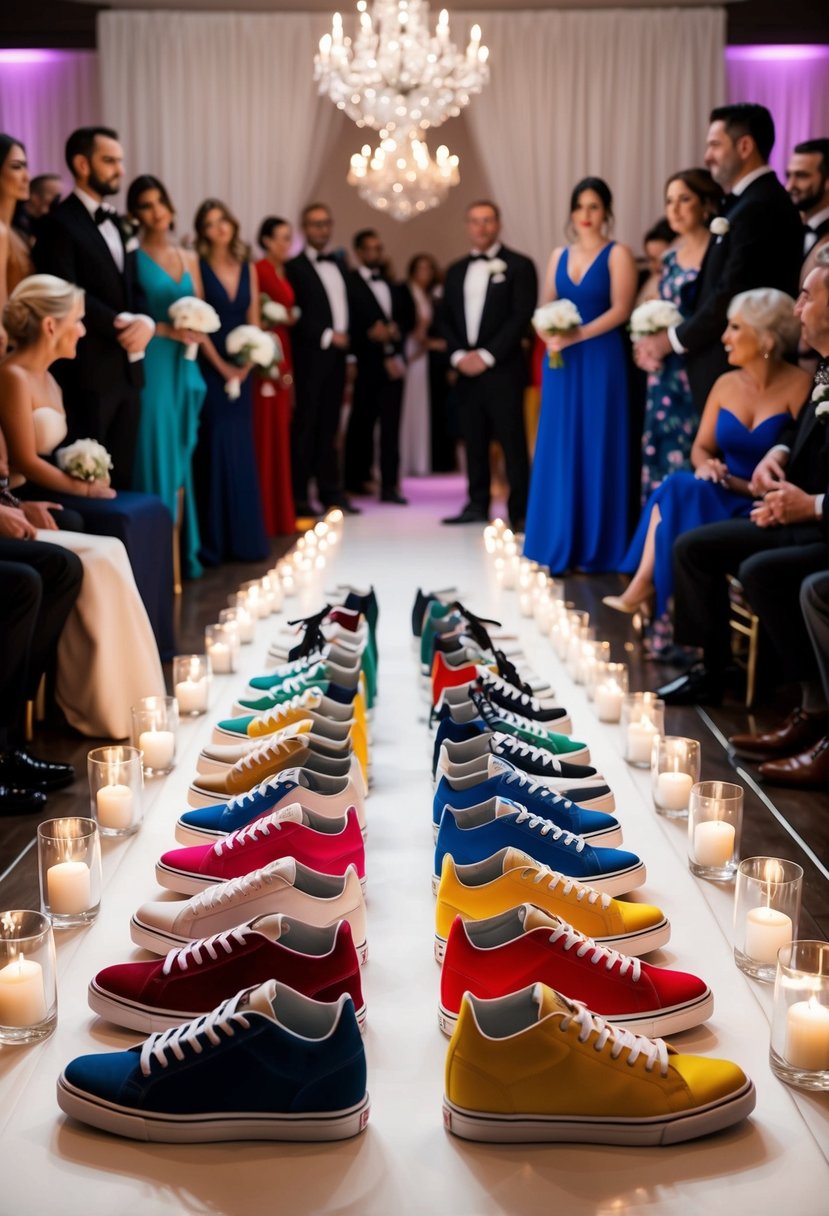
310,699
554,879
249,833
295,684
655,1051
224,1020
490,680
518,748
537,791
269,751
182,956
227,892
264,787
601,954
536,824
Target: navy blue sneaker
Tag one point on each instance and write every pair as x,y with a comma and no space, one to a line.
269,1064
581,783
507,782
476,833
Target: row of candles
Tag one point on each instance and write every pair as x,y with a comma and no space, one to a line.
767,890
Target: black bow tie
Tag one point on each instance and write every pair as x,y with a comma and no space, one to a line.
480,257
326,257
376,276
102,214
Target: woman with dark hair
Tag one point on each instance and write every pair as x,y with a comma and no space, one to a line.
174,388
15,262
227,485
422,277
273,400
576,518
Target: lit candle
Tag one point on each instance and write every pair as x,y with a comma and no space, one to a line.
640,740
673,790
713,843
807,1036
69,888
525,603
159,748
22,994
246,620
192,696
609,698
767,931
114,803
221,658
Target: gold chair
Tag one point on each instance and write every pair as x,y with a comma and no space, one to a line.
745,635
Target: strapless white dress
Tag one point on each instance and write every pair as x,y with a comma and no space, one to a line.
50,428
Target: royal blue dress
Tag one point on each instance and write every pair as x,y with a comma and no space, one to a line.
576,517
227,483
685,502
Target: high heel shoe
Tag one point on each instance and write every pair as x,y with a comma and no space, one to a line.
618,605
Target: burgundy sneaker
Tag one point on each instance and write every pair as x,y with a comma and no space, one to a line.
319,962
328,846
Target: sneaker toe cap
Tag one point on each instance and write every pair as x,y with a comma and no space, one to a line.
104,1075
708,1080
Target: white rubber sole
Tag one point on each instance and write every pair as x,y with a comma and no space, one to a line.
617,883
568,1129
151,1126
159,941
635,944
185,883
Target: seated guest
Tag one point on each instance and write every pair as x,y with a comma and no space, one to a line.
746,411
788,530
15,262
44,193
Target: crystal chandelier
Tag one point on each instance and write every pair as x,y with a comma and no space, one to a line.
400,178
396,75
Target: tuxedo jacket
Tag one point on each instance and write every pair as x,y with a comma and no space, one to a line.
508,308
315,311
762,248
70,245
365,311
810,260
808,465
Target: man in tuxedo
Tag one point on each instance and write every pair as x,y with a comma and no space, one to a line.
82,240
320,341
382,314
762,245
785,539
489,299
44,193
807,181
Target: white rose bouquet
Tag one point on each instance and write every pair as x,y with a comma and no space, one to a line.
557,317
651,317
820,395
85,459
276,313
248,344
192,313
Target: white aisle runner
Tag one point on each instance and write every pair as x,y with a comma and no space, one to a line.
405,1162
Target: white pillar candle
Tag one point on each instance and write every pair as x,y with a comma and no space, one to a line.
246,620
69,888
22,994
641,735
114,803
220,658
713,843
159,748
673,790
192,696
609,698
767,931
525,602
807,1036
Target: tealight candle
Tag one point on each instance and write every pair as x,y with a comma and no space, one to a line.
672,790
114,806
159,748
69,887
766,932
640,738
807,1036
713,843
192,696
609,698
221,658
22,993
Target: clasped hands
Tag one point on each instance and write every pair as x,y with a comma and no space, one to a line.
133,333
649,352
780,501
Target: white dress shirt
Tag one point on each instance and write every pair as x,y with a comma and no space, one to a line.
475,286
334,284
108,230
810,236
379,289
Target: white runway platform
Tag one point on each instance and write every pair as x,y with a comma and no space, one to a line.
776,1163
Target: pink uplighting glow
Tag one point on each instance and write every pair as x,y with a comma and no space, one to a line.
14,57
780,53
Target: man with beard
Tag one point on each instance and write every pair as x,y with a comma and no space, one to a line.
807,181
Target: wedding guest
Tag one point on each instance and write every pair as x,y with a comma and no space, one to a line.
807,181
226,481
656,243
320,342
484,316
173,392
759,244
15,262
422,277
575,518
381,315
273,400
44,192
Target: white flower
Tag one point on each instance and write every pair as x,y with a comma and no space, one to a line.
557,317
85,459
497,266
274,312
132,244
820,393
192,313
250,344
720,225
822,410
652,317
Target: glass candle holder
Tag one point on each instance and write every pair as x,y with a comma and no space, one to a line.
242,618
271,589
221,643
766,913
675,765
69,866
257,603
799,1052
28,987
526,601
191,684
116,789
560,635
643,720
154,728
611,685
287,581
715,820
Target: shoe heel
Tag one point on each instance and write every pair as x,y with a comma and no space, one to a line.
447,1021
440,948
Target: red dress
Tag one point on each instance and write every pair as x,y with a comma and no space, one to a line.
272,406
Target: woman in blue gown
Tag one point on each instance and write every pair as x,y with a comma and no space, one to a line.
743,417
576,518
227,484
174,388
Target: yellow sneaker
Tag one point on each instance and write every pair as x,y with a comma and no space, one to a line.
510,878
535,1066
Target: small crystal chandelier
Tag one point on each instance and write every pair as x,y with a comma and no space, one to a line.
396,74
400,178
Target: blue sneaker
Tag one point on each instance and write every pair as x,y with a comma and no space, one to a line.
509,783
477,832
269,1064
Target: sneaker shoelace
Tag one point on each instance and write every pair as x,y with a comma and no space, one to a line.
194,952
537,791
515,695
544,826
298,683
601,954
273,717
313,638
509,672
264,787
568,885
655,1051
224,1020
230,891
249,833
476,625
268,751
526,750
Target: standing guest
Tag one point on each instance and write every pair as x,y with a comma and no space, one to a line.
760,244
576,518
416,431
489,299
656,243
807,181
273,401
320,343
173,391
15,262
226,481
83,241
44,193
382,314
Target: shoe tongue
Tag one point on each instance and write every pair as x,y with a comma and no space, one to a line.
514,859
549,1001
284,868
497,766
503,806
296,775
272,926
292,813
535,918
260,999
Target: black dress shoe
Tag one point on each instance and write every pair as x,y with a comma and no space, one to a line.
469,515
697,687
20,802
394,496
19,769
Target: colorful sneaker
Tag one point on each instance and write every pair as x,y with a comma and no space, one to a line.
508,722
328,846
510,878
282,886
536,1067
338,683
318,962
268,1064
524,945
459,700
287,748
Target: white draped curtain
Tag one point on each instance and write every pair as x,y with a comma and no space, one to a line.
43,96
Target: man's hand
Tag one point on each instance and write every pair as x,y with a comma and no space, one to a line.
341,340
471,364
650,351
134,335
39,514
770,472
788,504
14,524
395,367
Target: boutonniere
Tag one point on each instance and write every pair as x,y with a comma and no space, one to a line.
497,269
820,395
720,227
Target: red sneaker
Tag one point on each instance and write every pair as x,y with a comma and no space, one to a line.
328,846
491,958
319,962
444,675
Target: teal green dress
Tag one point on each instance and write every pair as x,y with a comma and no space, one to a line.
171,402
